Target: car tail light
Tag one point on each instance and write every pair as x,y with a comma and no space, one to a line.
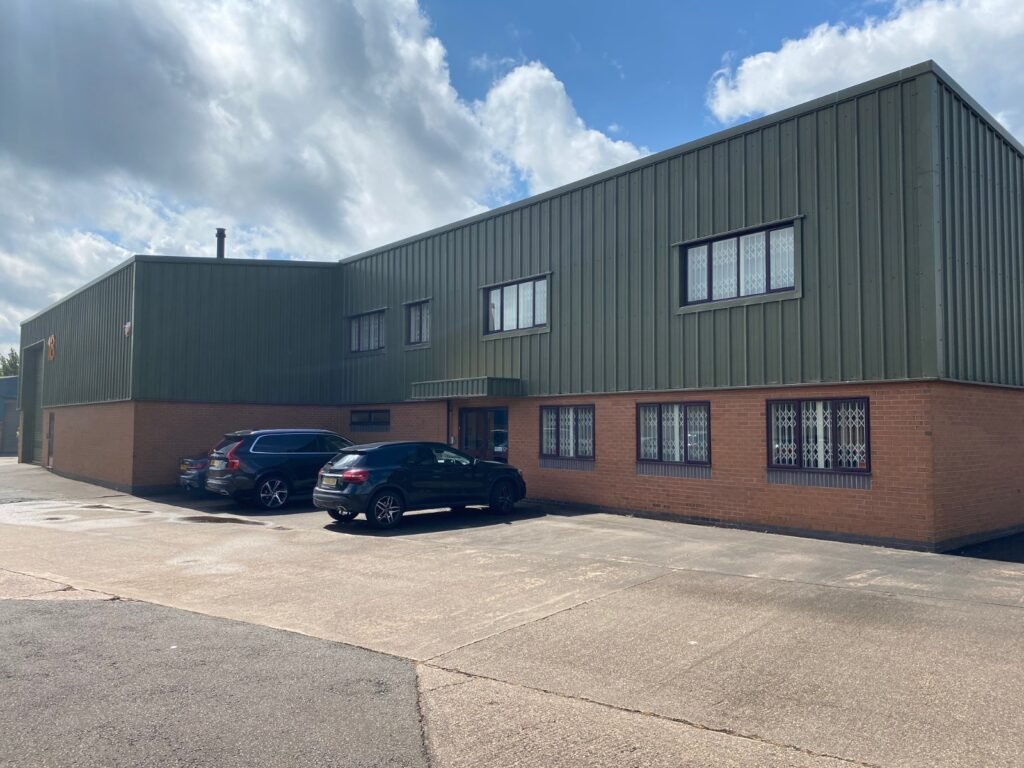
233,461
355,476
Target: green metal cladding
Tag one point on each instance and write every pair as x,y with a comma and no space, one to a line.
92,360
906,202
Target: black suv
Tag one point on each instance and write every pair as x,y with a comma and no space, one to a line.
383,480
270,466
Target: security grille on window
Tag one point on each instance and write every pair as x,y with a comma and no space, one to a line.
567,431
517,306
828,435
370,421
368,332
748,265
674,432
418,323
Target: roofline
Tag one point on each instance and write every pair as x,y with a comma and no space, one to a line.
970,101
159,259
899,76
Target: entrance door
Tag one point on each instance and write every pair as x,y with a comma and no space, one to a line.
32,405
483,433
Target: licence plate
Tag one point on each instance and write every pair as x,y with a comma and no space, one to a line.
329,482
217,464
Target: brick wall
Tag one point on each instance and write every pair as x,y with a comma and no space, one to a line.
93,442
409,421
898,507
167,431
979,461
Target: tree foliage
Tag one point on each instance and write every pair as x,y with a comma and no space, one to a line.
10,363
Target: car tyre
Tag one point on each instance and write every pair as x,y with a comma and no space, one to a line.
341,517
503,498
272,492
385,510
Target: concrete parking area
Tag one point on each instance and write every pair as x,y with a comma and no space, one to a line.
568,639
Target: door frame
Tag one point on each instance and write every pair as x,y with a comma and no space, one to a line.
464,412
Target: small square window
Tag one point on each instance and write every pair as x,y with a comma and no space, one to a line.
367,332
417,326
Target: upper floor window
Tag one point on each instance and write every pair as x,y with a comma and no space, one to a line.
567,431
744,265
518,305
674,432
819,434
417,323
368,331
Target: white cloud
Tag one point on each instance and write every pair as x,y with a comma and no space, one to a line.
531,120
979,42
313,128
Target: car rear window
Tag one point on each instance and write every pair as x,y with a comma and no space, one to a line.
285,443
348,459
225,445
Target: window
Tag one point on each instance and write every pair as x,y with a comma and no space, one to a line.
417,323
300,442
368,331
748,265
829,435
567,431
370,421
333,443
674,432
517,306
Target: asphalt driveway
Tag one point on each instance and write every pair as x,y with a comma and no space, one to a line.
559,639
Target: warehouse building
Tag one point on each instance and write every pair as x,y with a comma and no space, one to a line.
808,323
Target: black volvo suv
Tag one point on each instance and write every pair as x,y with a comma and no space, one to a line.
269,466
383,480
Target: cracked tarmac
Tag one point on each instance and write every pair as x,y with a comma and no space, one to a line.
565,640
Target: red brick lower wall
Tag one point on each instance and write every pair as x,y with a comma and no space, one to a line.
946,458
167,431
979,460
93,442
897,508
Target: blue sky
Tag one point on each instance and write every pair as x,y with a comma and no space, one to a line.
643,66
315,129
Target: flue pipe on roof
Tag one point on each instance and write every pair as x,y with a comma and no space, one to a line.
220,242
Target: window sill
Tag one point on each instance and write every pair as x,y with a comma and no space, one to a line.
369,352
560,462
411,347
740,301
370,428
820,478
671,469
497,335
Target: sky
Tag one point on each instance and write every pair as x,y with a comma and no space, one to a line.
316,129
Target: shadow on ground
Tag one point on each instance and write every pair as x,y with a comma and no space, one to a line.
434,521
1009,549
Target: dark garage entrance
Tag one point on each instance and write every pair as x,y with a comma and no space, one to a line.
483,432
32,404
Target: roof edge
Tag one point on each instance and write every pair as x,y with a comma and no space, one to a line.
883,81
158,259
946,79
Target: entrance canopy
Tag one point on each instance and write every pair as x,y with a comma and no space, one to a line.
478,386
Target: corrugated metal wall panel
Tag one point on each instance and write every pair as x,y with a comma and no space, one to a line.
981,245
856,170
92,360
233,331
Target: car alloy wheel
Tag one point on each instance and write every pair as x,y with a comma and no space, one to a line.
503,500
273,493
386,510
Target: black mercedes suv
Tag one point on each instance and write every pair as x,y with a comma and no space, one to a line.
269,466
384,480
